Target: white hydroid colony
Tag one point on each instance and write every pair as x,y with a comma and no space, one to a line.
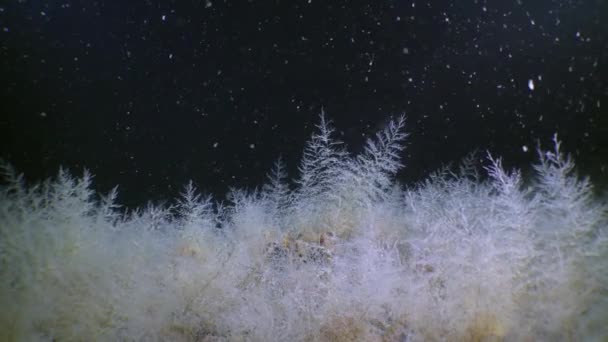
348,255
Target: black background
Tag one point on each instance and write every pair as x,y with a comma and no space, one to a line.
151,94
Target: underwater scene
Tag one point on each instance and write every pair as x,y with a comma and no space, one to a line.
341,251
